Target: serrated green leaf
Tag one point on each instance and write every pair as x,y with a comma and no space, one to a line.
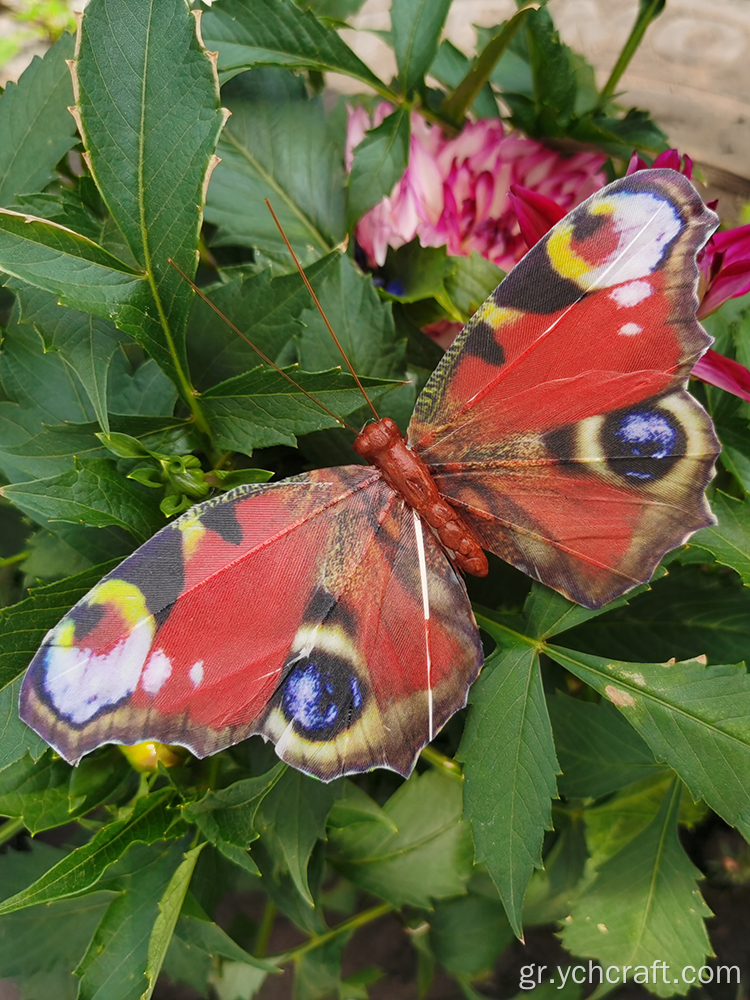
509,767
149,152
467,934
644,907
39,792
262,408
82,869
16,739
227,817
317,975
290,820
86,343
598,751
380,160
471,282
265,309
169,906
416,26
40,948
276,33
36,126
352,804
277,145
94,493
614,823
363,325
554,76
116,964
83,274
450,66
689,613
729,540
694,718
469,88
428,858
552,889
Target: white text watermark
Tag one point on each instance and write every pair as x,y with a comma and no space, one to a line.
658,972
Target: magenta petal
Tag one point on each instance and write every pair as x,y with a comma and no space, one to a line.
536,213
723,372
636,163
731,282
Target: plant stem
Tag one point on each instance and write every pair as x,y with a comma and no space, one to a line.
10,828
345,927
265,928
17,558
648,10
441,762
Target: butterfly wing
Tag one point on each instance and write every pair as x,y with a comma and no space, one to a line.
295,610
558,423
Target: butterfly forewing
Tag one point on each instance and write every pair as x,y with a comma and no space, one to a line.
558,422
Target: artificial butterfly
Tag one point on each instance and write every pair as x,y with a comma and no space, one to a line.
327,612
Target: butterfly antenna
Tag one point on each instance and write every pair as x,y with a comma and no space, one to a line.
315,299
258,351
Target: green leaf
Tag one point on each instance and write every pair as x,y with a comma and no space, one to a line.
93,493
510,767
276,33
554,75
466,92
227,817
80,870
552,889
380,160
363,324
125,949
291,819
467,934
262,408
333,10
16,739
416,26
729,540
470,283
644,907
40,948
39,792
619,136
690,613
266,310
317,975
614,823
428,858
599,752
86,343
352,804
170,905
82,274
277,145
36,126
150,124
695,718
450,66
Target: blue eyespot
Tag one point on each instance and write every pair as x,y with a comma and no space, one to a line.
643,444
321,696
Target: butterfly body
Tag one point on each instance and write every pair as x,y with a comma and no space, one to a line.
384,445
328,612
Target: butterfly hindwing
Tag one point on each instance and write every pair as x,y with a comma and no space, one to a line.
558,423
293,609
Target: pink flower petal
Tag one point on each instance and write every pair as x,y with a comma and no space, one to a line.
536,214
730,375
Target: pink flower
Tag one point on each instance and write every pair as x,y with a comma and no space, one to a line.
730,375
456,191
724,264
669,159
536,213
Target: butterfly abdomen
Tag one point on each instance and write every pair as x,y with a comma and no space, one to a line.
383,444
